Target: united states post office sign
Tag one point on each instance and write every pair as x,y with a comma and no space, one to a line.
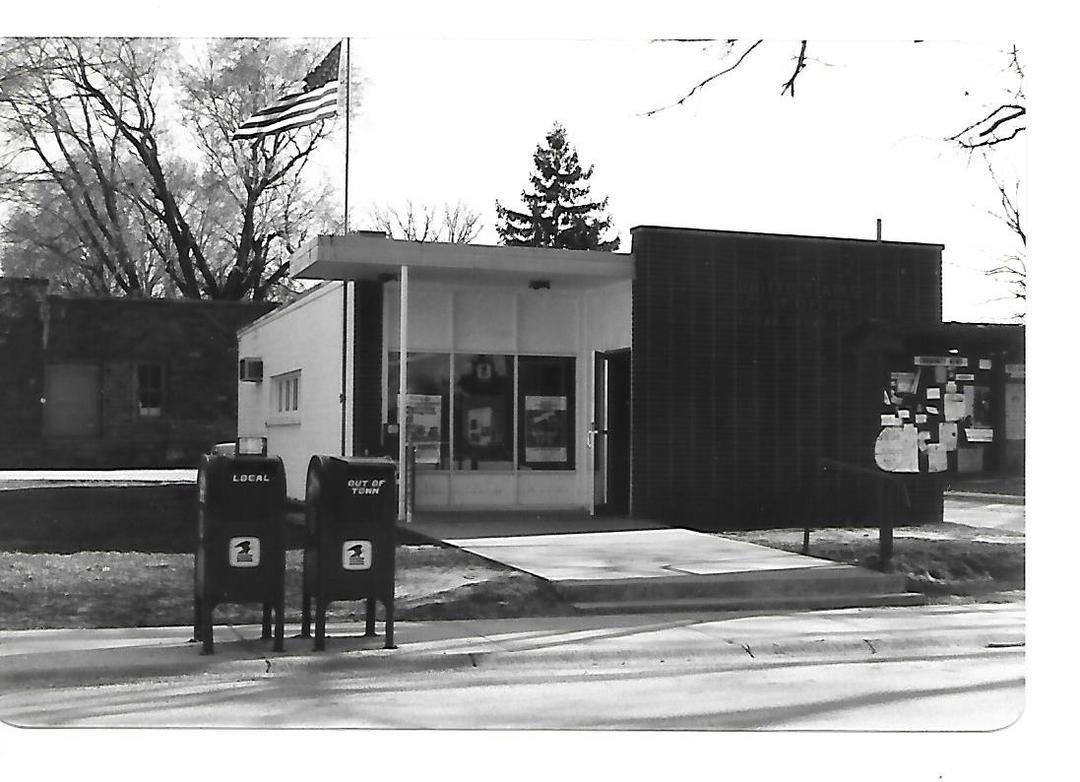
244,552
356,555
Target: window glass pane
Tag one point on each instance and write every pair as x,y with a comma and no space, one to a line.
546,400
429,389
483,412
150,384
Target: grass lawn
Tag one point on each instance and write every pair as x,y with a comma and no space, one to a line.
121,556
938,560
134,589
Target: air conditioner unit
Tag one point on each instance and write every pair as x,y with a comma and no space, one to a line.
251,370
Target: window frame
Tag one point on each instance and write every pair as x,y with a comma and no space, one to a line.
285,398
143,412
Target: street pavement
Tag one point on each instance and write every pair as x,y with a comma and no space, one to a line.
927,668
985,511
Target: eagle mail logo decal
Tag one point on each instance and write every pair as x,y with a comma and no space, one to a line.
244,552
356,555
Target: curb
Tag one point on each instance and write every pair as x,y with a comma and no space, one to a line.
342,655
1007,499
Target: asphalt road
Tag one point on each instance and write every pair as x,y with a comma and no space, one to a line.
929,668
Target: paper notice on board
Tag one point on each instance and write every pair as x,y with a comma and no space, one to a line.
950,387
937,459
546,427
968,378
969,401
979,435
954,407
920,418
905,414
933,392
897,449
947,436
423,426
986,363
889,420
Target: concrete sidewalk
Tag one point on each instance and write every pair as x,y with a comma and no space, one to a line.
135,677
607,565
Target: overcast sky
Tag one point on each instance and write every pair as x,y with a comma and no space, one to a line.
459,118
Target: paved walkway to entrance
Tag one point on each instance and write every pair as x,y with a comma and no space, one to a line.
602,563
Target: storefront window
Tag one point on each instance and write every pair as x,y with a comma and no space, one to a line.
546,399
483,412
428,403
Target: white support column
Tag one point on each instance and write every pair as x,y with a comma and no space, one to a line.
403,355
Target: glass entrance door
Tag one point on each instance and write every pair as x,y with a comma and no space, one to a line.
609,434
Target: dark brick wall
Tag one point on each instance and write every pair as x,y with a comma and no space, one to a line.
744,376
367,368
194,341
23,305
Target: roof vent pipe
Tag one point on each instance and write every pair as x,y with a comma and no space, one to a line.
879,229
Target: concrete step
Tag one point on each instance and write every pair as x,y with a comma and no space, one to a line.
789,583
751,603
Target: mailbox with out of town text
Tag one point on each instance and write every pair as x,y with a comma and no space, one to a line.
240,553
351,512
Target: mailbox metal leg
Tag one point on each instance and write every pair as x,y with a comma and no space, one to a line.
320,624
369,624
279,624
389,605
265,621
207,622
305,616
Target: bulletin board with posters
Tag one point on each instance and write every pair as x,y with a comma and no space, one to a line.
937,415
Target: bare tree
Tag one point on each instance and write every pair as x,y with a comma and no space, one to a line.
83,118
1004,121
454,223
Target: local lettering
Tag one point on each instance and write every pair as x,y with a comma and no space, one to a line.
366,485
251,478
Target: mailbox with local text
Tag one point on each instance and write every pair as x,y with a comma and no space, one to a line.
240,553
351,508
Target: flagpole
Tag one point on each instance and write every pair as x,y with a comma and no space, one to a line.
345,282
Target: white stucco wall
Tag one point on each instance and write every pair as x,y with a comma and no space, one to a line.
514,320
304,336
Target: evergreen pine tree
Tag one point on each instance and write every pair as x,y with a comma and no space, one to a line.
560,212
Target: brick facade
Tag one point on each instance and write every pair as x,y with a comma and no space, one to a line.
193,341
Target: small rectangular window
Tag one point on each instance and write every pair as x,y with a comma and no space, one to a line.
286,393
149,389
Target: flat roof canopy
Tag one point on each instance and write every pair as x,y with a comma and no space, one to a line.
370,255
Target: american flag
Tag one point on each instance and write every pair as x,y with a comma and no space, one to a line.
313,99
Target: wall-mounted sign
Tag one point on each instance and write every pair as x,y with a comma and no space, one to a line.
940,361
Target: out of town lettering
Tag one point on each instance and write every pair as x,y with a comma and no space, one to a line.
366,485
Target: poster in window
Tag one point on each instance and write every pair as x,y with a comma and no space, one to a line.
546,429
423,426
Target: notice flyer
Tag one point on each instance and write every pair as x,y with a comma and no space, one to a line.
546,429
423,430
